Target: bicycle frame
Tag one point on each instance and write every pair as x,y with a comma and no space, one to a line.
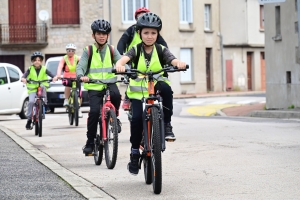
107,105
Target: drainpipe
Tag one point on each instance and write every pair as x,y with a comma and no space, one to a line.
221,47
109,10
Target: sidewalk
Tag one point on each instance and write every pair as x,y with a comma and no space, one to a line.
217,94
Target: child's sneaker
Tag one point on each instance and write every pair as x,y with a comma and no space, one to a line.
66,102
28,124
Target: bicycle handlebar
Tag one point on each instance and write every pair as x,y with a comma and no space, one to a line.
165,69
38,82
97,81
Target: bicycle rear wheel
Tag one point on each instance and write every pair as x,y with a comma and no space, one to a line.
70,111
155,144
76,107
111,144
40,117
98,150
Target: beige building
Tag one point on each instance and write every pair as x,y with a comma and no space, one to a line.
242,30
282,55
196,31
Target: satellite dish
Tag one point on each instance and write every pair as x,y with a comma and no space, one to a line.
43,15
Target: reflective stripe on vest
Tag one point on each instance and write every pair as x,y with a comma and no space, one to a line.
32,87
100,70
139,87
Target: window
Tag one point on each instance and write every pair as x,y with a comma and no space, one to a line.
129,7
13,74
207,17
186,56
65,12
261,17
3,76
186,11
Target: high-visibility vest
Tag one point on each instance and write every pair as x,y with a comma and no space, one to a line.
136,40
100,70
138,88
32,87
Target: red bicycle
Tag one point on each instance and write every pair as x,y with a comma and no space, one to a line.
107,138
38,110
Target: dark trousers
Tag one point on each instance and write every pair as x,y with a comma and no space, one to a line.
137,112
96,100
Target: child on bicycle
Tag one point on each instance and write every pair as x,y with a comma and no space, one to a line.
99,66
148,26
36,72
68,65
131,37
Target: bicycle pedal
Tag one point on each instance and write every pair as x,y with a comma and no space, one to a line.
170,140
89,154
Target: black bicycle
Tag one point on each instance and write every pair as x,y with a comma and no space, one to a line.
153,128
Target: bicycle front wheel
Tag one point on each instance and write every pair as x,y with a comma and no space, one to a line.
111,144
155,144
35,122
76,107
40,121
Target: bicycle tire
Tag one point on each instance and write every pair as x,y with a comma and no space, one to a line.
36,128
70,112
147,169
156,152
40,117
98,151
76,107
111,144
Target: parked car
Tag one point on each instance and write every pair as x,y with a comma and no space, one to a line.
55,93
14,96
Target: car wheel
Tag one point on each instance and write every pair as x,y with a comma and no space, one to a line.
23,112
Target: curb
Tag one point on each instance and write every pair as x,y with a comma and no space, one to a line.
224,94
82,186
283,114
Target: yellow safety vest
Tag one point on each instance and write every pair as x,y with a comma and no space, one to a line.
32,87
138,88
100,70
70,67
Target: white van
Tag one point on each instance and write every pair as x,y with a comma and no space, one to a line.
55,93
14,96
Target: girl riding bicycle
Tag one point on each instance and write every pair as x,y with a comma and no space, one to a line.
36,72
149,26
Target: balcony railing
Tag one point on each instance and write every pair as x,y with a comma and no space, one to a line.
23,34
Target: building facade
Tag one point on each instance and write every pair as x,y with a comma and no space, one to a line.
282,55
224,47
242,32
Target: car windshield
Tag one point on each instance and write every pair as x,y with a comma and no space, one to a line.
52,67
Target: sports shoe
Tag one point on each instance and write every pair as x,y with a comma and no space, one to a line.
88,148
80,115
119,125
169,135
28,124
133,165
66,102
47,109
126,104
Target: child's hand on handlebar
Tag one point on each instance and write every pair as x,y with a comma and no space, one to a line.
84,79
24,80
54,79
120,68
181,65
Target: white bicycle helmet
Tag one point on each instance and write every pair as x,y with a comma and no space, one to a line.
70,46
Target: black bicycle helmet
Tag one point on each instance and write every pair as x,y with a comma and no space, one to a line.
149,20
37,54
101,25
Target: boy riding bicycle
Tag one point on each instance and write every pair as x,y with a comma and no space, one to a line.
148,26
99,66
36,72
68,65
